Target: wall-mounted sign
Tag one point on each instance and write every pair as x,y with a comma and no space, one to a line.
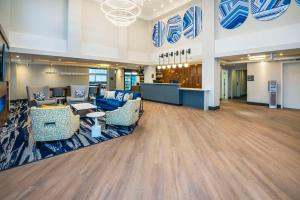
250,78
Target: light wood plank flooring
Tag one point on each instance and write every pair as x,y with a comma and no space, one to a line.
238,152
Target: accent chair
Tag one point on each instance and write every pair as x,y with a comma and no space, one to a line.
53,123
43,92
79,94
126,115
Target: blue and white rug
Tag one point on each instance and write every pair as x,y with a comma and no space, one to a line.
17,146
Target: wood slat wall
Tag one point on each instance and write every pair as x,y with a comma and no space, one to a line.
188,77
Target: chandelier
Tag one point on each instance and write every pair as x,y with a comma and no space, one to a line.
121,12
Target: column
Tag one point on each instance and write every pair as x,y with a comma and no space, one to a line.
74,27
210,65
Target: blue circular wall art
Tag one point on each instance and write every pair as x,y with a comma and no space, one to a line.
174,29
158,34
192,22
265,10
233,13
298,2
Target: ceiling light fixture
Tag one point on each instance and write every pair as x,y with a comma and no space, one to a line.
260,57
121,12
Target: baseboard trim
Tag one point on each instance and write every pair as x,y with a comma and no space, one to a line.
260,104
213,107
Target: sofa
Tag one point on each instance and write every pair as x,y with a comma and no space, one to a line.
126,115
38,96
109,104
53,123
79,94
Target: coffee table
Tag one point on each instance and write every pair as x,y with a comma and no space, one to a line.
96,129
83,107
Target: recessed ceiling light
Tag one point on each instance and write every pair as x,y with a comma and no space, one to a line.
18,56
281,54
154,9
171,1
162,5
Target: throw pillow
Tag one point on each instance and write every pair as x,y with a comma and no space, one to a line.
79,93
119,96
127,97
40,96
110,94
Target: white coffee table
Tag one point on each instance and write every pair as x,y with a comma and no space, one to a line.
96,129
83,106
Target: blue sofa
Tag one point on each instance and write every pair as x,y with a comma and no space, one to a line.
113,104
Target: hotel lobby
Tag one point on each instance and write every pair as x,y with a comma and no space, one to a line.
150,99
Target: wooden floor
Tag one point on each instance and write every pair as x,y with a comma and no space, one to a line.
238,152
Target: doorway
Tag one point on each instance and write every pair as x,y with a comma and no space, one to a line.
291,85
234,82
224,84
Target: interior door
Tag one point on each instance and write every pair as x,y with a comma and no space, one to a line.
238,83
224,84
291,85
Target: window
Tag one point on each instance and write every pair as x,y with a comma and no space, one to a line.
98,76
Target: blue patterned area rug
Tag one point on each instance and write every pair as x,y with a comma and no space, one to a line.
17,146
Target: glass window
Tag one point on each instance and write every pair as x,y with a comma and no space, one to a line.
98,76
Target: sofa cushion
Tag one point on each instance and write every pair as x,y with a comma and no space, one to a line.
127,97
114,103
110,94
40,96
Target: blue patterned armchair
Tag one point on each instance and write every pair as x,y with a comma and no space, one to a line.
50,124
126,115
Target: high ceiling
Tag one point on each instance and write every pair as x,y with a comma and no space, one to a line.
152,9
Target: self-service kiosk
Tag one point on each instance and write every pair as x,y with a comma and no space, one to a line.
272,88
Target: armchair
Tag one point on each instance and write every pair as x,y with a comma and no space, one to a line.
32,101
50,124
126,115
79,94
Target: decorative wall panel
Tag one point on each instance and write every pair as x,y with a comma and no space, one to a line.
233,13
265,10
192,22
159,34
174,29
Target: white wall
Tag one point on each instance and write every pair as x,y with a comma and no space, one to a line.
148,72
120,79
39,24
257,90
35,76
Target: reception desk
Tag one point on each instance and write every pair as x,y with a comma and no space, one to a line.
174,94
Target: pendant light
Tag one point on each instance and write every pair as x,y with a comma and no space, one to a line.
168,66
186,64
180,65
174,63
159,66
163,66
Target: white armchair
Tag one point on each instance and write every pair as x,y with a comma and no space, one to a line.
126,115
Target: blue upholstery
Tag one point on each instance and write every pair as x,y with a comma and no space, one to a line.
113,104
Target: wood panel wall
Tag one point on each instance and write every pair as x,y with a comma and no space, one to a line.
190,77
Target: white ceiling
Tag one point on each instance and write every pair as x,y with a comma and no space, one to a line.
152,9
